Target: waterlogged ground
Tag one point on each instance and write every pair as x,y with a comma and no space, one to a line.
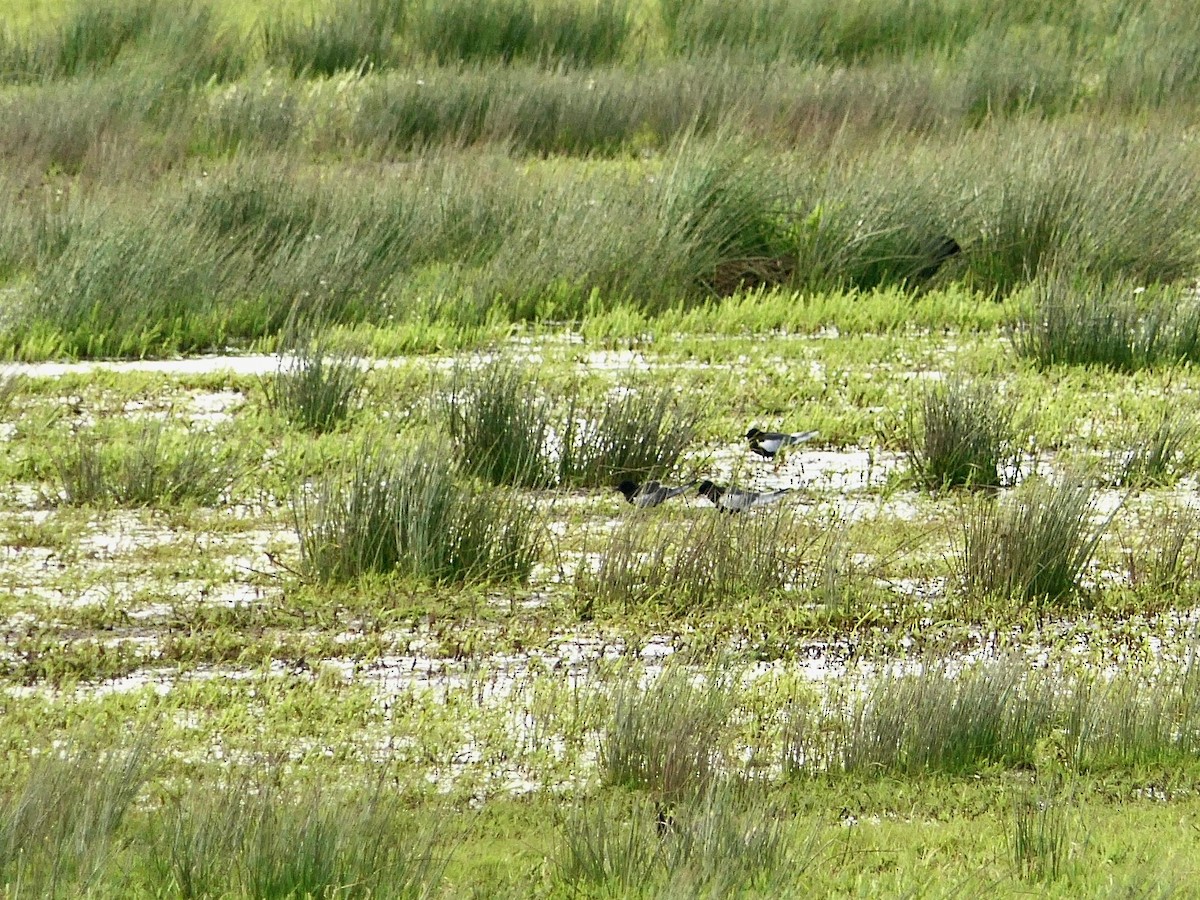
493,706
491,690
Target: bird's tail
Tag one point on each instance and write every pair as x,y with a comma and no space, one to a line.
801,436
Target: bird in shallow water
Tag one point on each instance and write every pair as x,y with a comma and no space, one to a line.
768,443
651,493
735,499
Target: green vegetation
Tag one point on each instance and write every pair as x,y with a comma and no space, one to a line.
181,179
694,565
147,466
725,842
666,739
636,433
1032,547
315,389
1090,323
1160,454
397,633
499,424
408,512
964,436
507,429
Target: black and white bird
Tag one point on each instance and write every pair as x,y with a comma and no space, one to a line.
735,499
768,443
651,493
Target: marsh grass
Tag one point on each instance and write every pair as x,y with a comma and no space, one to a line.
609,843
943,717
121,290
1117,326
635,433
94,36
964,436
507,430
358,37
721,843
1031,547
59,827
939,720
693,566
1040,833
1159,455
1138,720
63,128
1166,558
833,33
411,513
316,388
235,255
184,41
499,422
11,386
257,837
845,582
667,737
1101,205
151,466
730,839
721,215
555,33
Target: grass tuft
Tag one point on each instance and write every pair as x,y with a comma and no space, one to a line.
964,437
499,423
315,389
1167,559
1033,546
1160,455
1117,326
552,32
409,513
357,37
1040,838
11,385
153,466
723,843
59,828
256,838
942,720
684,568
636,433
609,844
666,737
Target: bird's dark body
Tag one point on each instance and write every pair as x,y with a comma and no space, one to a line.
651,493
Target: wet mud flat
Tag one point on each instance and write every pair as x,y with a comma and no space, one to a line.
107,602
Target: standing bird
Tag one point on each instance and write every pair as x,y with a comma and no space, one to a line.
651,493
768,443
735,500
